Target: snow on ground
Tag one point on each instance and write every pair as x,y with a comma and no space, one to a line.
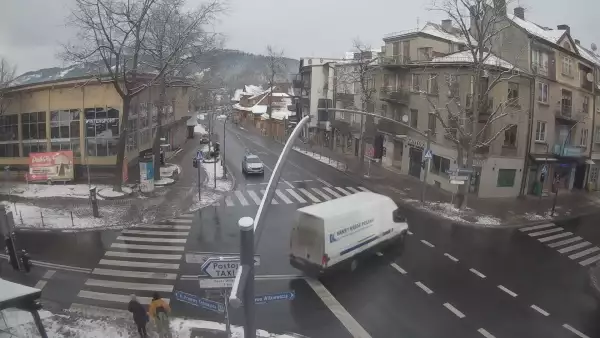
210,193
449,212
164,181
199,129
75,324
33,190
169,169
336,164
30,216
110,192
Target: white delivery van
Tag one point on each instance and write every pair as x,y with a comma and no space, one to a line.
337,233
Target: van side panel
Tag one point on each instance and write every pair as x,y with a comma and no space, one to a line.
351,232
307,243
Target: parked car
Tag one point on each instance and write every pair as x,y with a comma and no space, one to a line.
251,164
204,139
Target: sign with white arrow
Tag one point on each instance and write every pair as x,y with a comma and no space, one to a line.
219,267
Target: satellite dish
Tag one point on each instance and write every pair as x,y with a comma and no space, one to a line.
589,77
594,47
405,118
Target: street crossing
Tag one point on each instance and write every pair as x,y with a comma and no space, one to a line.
251,197
143,259
564,242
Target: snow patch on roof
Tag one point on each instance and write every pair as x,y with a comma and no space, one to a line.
550,35
434,30
251,89
467,57
589,55
259,109
237,95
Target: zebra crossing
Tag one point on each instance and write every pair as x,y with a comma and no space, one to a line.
565,242
142,260
289,196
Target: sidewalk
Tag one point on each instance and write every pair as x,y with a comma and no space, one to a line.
406,190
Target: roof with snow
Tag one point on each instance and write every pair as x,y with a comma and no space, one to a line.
435,30
259,109
467,57
548,34
589,55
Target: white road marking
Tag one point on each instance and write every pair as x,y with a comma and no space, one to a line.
134,274
288,183
451,257
424,288
229,201
241,197
149,239
324,182
477,273
114,298
163,226
283,197
364,189
354,190
345,192
254,197
590,260
49,274
397,267
540,310
503,288
141,255
129,286
309,195
545,232
537,227
168,266
332,192
159,233
454,310
575,331
379,254
147,247
566,241
322,194
296,196
338,310
584,252
273,201
574,247
40,284
181,221
553,237
427,243
485,333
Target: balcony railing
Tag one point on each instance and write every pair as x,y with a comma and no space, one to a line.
344,97
396,60
568,150
394,95
564,111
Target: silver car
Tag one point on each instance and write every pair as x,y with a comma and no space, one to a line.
251,164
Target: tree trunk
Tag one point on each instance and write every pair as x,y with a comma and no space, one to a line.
122,144
361,148
159,119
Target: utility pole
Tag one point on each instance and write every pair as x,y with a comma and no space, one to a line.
223,158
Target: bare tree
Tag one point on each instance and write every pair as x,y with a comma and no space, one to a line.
110,35
176,41
7,75
275,68
474,124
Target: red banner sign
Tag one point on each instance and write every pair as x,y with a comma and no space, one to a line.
51,166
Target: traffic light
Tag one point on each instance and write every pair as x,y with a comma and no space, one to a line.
12,254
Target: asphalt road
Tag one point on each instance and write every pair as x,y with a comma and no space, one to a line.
446,281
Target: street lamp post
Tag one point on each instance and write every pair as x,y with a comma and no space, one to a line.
223,158
427,166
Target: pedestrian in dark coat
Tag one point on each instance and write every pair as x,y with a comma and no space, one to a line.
140,317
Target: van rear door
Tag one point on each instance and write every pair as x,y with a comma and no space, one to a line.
307,239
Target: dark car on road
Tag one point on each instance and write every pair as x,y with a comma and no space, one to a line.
251,164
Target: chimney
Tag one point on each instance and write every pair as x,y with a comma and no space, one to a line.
500,6
577,42
520,12
564,28
447,25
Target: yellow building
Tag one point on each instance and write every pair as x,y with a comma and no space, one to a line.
85,115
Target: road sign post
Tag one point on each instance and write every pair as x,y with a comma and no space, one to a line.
428,156
199,166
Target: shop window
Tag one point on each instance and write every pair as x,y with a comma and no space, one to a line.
9,136
10,149
65,131
33,126
506,178
102,131
439,165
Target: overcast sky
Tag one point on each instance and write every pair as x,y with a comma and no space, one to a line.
31,31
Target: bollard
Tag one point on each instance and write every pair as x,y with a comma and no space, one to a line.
42,217
21,216
72,223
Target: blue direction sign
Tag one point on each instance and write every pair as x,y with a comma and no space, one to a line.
199,155
545,169
287,295
199,302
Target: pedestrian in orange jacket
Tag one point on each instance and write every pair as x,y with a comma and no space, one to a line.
159,312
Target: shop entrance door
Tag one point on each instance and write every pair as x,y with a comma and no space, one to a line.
416,156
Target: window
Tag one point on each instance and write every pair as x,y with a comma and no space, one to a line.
386,80
542,95
584,137
586,105
540,131
597,138
439,165
415,82
9,136
64,130
506,178
414,118
510,136
424,54
431,123
540,61
33,126
567,65
432,84
513,93
453,85
384,110
102,130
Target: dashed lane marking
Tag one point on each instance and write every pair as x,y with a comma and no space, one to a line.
379,254
49,274
355,329
575,331
451,257
565,242
503,288
540,310
574,247
424,288
477,273
553,237
454,310
40,284
537,227
397,267
427,243
545,232
485,333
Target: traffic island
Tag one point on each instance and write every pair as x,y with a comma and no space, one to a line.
110,194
